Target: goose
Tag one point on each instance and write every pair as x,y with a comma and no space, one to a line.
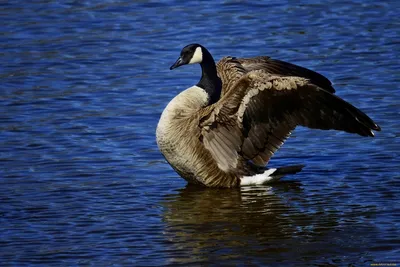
223,131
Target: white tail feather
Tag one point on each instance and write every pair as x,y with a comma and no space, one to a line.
262,178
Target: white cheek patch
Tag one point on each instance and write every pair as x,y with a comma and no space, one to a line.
197,56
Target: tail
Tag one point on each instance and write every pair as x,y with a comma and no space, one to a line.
270,175
287,170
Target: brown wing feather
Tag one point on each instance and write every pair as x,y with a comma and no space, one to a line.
298,101
274,66
253,119
229,71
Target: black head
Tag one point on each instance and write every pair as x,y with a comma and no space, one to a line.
190,54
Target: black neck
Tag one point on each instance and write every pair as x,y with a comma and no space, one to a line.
210,81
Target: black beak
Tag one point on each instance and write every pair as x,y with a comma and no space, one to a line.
178,63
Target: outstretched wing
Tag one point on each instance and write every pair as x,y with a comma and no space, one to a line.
279,67
254,118
229,71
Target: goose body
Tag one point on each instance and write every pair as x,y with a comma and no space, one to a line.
223,131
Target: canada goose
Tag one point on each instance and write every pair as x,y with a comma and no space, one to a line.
223,131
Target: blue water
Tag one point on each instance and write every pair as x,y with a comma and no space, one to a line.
83,84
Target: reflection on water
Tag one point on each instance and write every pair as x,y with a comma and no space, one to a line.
258,224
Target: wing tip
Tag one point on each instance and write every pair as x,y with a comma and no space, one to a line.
372,127
376,127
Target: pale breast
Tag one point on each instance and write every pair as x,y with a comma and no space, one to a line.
180,110
177,130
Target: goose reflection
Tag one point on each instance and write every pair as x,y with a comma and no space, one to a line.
245,209
231,222
259,224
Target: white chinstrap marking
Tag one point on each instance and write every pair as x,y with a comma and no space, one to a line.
259,179
197,56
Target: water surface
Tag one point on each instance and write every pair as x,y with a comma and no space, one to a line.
83,183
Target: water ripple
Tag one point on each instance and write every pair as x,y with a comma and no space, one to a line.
83,183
